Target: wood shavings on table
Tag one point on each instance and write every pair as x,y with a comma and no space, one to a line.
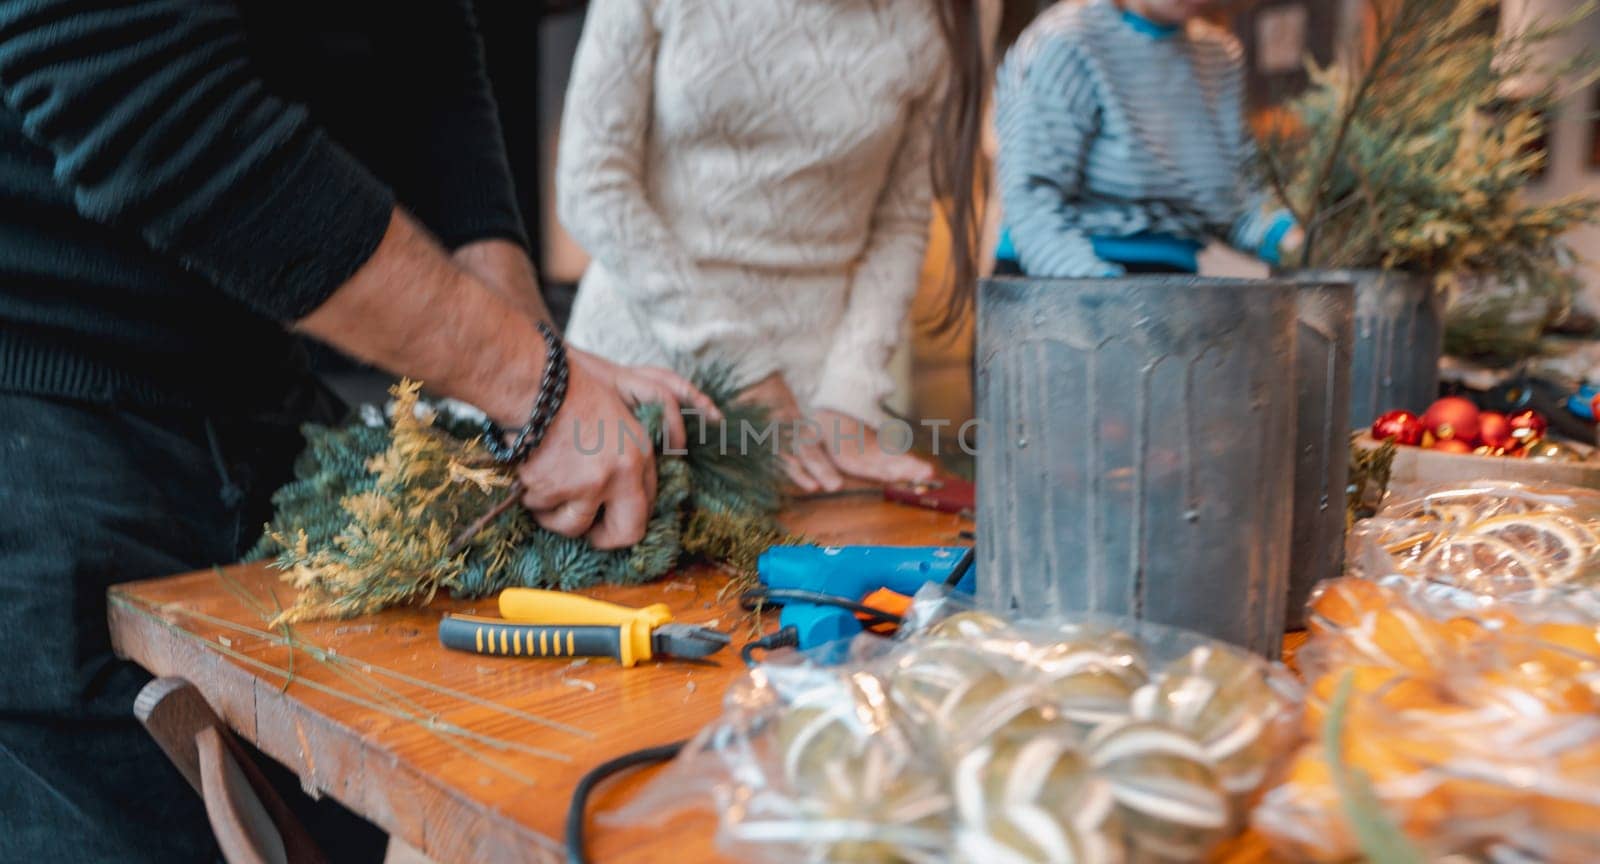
577,682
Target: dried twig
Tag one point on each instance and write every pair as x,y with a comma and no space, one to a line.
512,496
1280,187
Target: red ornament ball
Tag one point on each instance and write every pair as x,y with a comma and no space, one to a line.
1494,430
1453,419
1527,426
1402,426
1452,445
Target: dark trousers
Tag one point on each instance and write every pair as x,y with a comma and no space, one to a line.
91,496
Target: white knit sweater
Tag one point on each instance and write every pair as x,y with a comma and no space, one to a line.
751,180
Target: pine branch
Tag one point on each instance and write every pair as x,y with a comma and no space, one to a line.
1389,35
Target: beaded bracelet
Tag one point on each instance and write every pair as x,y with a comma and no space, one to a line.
552,392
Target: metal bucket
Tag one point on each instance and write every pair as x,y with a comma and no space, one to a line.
1323,340
1135,455
1399,337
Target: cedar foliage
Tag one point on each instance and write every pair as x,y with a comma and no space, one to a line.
1413,152
373,509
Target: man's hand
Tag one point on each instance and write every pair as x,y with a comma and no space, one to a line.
605,495
856,450
804,458
573,489
639,385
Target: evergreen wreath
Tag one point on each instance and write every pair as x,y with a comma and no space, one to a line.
371,518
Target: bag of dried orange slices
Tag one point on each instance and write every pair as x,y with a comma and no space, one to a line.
1477,731
979,740
1475,544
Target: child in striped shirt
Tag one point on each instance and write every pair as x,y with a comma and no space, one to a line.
1123,146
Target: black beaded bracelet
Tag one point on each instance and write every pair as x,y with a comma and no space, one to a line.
552,392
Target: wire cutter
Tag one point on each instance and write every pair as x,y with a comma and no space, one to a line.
537,623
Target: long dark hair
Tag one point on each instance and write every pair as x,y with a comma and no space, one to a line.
958,164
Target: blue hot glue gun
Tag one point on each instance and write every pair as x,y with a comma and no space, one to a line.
851,573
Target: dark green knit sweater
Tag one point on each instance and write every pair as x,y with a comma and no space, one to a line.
179,178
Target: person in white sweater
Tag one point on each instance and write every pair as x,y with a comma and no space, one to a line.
753,181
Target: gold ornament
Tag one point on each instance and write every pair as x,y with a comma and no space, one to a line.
814,740
1089,684
846,762
1089,697
1045,770
925,676
1552,451
989,706
1126,653
1171,803
963,695
1227,703
966,625
1031,798
1029,836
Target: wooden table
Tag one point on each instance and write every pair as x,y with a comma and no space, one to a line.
466,758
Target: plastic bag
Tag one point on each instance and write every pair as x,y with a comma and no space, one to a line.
1478,731
1482,543
977,740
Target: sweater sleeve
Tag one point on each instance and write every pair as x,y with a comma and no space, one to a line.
1046,121
157,124
601,193
1261,224
454,174
855,375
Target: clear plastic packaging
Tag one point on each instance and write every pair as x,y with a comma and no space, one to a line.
1482,543
1478,731
973,739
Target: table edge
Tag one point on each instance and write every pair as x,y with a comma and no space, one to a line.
241,707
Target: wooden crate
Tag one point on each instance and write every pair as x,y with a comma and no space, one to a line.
1415,466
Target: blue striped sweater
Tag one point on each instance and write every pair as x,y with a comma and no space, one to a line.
1124,140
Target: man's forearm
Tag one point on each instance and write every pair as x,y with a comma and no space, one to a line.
507,269
414,311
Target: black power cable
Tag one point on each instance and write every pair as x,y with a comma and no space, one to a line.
577,811
749,600
787,637
961,568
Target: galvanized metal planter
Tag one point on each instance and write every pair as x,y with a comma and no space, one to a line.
1399,337
1135,456
1326,312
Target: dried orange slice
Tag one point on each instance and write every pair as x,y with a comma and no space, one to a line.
1381,687
1400,639
1526,698
1463,506
1342,603
1559,546
1458,515
1301,818
1584,639
1466,558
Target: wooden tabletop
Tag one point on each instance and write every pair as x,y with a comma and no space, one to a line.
467,758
